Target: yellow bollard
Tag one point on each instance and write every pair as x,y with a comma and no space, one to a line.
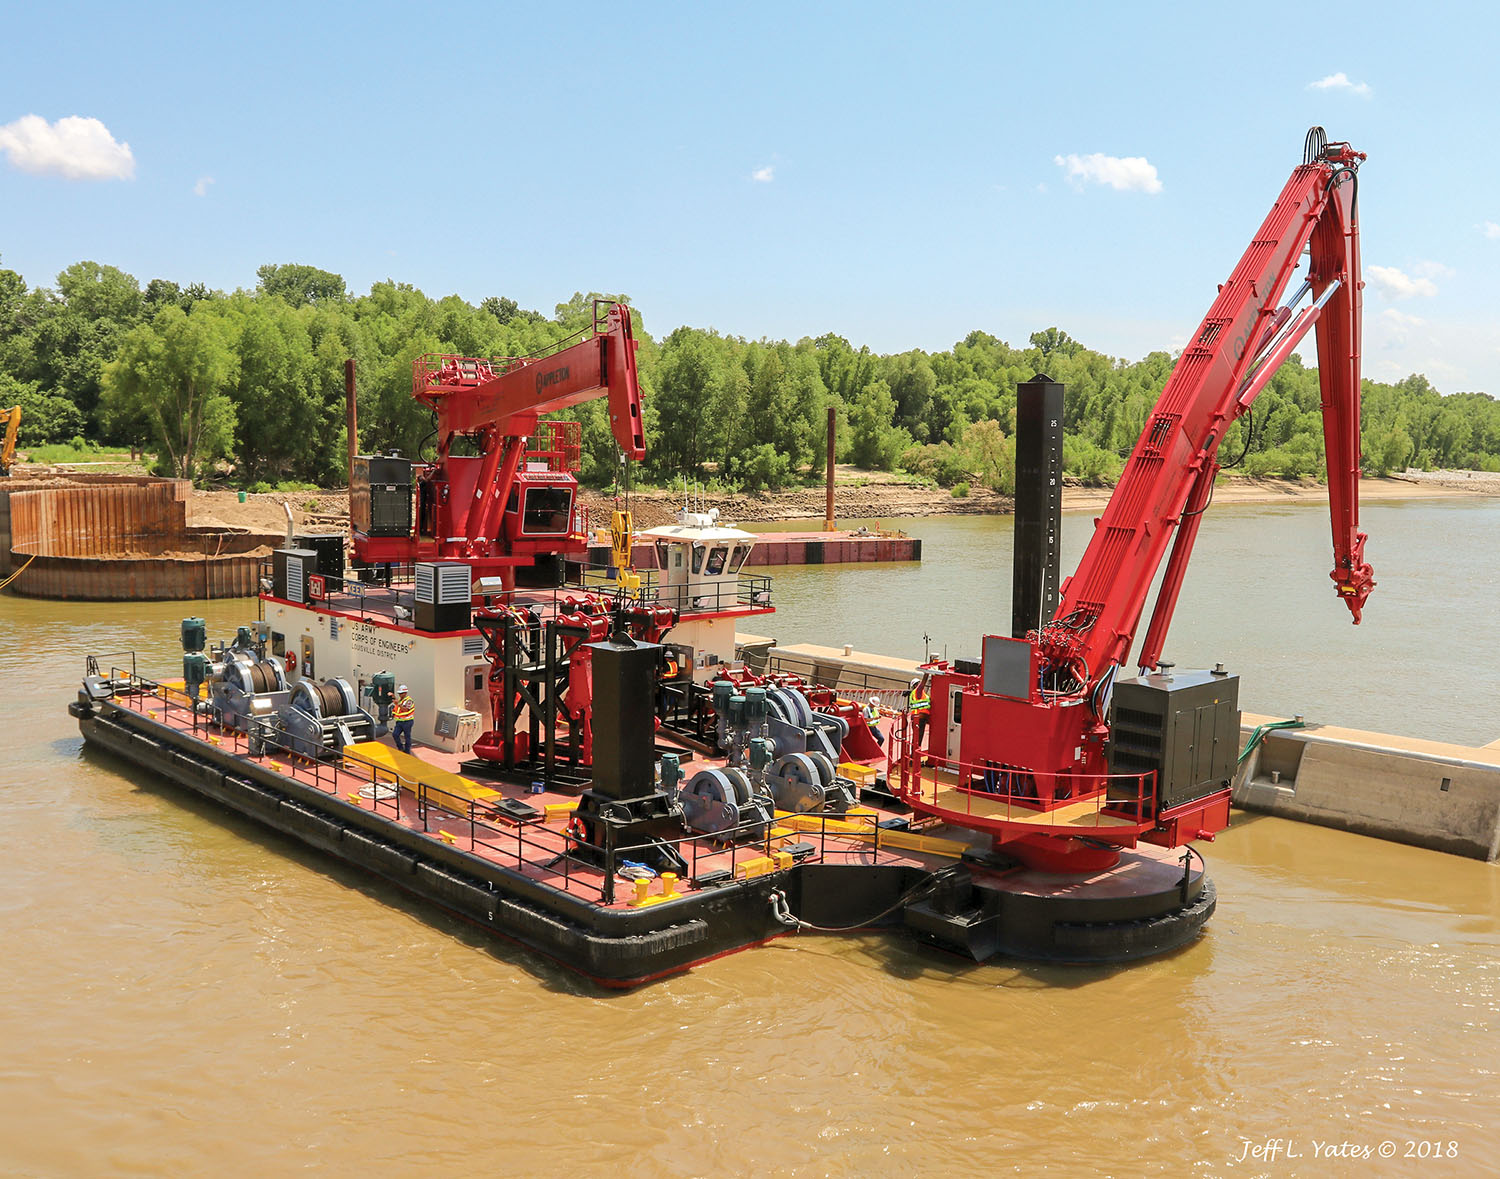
447,838
668,885
642,887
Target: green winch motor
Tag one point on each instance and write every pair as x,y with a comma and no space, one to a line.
382,692
194,634
761,752
671,772
195,668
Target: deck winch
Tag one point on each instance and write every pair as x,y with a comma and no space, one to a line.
322,717
722,803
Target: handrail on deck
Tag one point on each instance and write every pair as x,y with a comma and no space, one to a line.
995,792
265,742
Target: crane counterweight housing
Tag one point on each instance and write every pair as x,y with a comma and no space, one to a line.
1033,727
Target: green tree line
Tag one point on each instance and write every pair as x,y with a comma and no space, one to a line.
249,386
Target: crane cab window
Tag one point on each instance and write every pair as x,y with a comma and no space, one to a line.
548,510
716,560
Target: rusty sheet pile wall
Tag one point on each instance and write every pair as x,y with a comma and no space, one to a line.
110,539
98,521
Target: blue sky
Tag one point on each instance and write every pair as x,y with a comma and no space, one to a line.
897,174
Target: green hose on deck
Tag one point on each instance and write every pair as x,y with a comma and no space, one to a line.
1262,730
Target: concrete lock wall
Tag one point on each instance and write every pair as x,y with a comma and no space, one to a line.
113,538
1427,793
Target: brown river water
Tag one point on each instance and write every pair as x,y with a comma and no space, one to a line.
187,994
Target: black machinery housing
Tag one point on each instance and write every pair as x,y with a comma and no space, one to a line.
1184,725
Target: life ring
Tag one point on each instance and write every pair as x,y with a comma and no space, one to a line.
291,661
577,832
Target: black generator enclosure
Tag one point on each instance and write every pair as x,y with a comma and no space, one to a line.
290,571
330,549
1184,725
380,495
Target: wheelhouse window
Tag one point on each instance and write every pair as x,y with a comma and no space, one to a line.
698,551
716,560
548,510
737,558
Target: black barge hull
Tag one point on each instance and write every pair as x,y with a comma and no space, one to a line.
973,914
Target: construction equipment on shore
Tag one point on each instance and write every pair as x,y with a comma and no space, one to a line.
10,420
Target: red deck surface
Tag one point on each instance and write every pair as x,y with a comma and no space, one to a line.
535,849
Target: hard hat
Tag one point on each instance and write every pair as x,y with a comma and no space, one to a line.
875,701
915,682
402,688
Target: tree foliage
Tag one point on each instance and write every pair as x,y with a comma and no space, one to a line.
170,376
253,381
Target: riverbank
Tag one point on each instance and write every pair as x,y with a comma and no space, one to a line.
858,496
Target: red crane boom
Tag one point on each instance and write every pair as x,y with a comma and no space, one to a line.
1241,342
1030,726
501,402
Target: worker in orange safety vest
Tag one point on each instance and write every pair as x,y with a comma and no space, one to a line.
404,714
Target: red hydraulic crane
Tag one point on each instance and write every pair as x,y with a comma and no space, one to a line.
513,502
1033,725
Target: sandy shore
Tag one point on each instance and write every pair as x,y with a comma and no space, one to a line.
859,496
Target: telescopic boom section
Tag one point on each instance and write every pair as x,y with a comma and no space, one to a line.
1168,480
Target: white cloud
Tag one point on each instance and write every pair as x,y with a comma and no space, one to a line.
1433,270
1394,328
1492,230
1340,81
1125,173
1398,284
764,175
201,188
73,147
